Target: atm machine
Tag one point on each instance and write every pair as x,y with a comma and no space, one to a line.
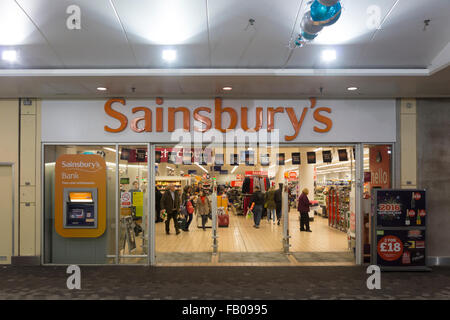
80,208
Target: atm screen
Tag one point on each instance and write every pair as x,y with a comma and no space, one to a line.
80,197
77,214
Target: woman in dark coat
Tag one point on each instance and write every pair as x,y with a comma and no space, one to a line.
303,208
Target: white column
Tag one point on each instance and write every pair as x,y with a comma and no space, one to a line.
306,174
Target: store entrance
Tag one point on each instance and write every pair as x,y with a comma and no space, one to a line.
248,231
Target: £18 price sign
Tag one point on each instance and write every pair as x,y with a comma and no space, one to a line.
390,248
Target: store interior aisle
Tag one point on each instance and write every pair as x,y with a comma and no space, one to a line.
240,236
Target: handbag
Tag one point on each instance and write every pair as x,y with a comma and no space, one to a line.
183,210
189,207
181,220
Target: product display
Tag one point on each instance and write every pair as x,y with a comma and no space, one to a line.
399,229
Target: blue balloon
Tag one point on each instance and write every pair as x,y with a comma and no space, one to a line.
319,12
333,20
308,36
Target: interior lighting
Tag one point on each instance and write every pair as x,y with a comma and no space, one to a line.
9,55
328,55
169,55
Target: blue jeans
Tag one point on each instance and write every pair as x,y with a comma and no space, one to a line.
271,214
257,213
188,220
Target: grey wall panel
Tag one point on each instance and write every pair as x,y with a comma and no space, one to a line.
433,170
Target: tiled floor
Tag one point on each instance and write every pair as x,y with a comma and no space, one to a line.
224,283
240,236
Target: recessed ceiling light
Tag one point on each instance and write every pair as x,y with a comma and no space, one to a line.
328,55
9,55
101,89
227,88
169,55
352,88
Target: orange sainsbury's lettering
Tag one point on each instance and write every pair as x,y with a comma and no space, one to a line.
186,118
116,114
322,119
147,118
218,115
244,120
202,119
297,125
271,117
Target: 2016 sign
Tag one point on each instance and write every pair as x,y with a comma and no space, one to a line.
389,207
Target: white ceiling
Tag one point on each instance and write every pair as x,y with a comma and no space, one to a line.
215,34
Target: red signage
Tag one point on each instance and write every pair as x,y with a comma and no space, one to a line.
236,183
256,173
291,175
390,248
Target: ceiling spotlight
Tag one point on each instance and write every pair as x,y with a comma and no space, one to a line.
9,55
169,55
328,55
352,88
101,89
227,88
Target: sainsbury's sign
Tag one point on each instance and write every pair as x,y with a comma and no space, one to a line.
143,117
302,121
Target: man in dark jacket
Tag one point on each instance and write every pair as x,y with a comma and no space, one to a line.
158,196
170,202
257,200
303,208
278,201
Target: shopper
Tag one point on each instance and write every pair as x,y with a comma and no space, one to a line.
158,196
257,201
170,202
278,201
303,208
199,188
269,204
186,199
203,207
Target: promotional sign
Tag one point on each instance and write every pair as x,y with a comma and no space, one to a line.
80,196
291,175
138,203
296,158
401,247
311,157
256,173
326,156
399,228
401,208
236,183
265,159
380,164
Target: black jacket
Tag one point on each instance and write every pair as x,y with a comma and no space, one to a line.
168,203
257,198
158,196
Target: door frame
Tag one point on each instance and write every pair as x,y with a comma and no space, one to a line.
13,211
359,164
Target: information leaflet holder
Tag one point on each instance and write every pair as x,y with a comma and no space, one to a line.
399,220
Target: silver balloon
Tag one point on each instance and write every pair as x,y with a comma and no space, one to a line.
328,3
309,25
